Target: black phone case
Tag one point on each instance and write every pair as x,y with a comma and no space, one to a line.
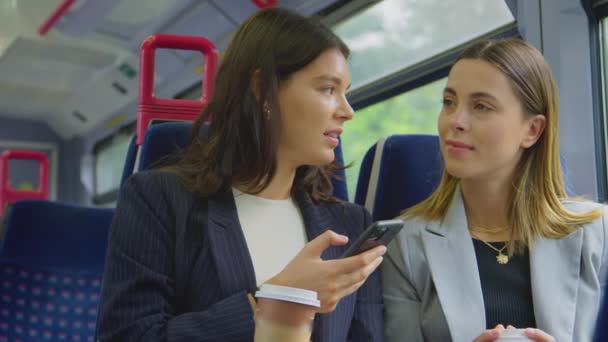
378,233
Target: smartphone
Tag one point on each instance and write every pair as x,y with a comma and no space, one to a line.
378,233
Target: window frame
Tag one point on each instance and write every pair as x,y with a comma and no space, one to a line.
420,74
112,194
599,88
403,80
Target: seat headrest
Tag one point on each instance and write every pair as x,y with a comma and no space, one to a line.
162,142
409,170
53,235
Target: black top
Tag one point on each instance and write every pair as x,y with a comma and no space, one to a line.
507,291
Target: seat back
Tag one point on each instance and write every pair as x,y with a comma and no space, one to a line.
601,335
152,109
56,235
51,265
338,179
401,171
397,173
163,142
9,195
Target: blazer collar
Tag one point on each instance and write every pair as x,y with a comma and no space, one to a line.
316,218
555,273
453,265
228,246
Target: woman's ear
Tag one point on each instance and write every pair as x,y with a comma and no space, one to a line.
535,128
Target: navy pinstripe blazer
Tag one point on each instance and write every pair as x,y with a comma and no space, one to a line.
178,268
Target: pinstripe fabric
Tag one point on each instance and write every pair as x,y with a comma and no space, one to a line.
170,278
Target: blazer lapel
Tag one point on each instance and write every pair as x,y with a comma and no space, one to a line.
316,219
453,264
555,272
228,246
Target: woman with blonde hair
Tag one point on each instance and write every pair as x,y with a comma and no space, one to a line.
498,244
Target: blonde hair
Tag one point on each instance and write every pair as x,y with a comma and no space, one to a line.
536,208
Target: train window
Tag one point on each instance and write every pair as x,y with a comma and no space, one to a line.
415,111
395,34
109,155
24,174
603,51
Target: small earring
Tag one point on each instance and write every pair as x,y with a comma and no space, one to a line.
267,113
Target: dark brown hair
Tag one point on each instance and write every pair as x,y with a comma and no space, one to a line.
241,147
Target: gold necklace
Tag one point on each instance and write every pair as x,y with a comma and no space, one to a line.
501,258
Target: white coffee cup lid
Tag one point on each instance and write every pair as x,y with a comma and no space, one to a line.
289,294
513,335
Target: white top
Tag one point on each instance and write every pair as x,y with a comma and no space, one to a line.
274,231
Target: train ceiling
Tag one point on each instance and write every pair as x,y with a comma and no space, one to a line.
81,70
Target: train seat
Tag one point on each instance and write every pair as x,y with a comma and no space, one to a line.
163,141
398,172
406,171
51,266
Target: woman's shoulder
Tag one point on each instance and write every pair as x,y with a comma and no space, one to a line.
349,211
152,177
155,181
157,187
600,224
413,225
581,206
595,233
350,208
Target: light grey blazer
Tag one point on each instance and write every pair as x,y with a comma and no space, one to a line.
432,290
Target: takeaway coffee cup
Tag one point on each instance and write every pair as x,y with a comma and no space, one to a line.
284,313
513,335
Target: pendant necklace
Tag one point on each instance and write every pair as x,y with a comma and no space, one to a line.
501,257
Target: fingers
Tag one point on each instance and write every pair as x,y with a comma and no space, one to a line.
357,262
352,281
487,336
323,241
330,304
360,275
538,335
346,284
490,335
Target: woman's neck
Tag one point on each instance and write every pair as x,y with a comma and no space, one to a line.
278,188
487,206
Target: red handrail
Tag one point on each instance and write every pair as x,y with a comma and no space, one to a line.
10,195
152,108
59,12
265,3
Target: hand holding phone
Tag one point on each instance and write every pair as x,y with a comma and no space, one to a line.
378,233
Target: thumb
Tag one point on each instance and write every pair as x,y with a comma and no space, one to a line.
323,241
490,335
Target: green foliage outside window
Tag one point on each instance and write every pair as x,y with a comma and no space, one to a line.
395,35
414,112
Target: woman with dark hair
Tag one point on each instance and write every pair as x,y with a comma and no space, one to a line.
191,242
